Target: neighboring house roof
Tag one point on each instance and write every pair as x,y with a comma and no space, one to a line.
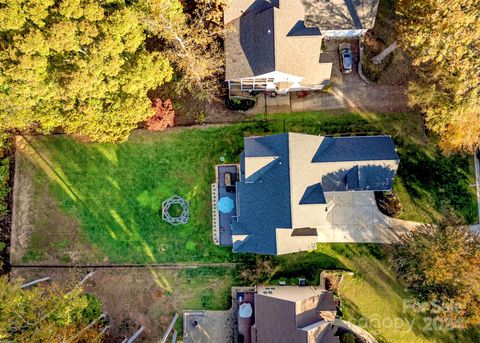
264,37
293,314
284,175
284,36
341,14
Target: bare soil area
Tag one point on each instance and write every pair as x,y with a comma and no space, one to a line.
132,297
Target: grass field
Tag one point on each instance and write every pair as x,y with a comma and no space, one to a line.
112,193
101,203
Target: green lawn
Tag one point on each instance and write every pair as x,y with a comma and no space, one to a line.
114,191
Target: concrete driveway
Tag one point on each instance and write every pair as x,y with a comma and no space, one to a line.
354,218
331,53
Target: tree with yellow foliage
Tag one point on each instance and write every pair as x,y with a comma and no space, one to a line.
442,38
46,313
78,65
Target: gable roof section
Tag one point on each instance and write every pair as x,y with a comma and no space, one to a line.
299,29
360,178
250,42
291,314
376,178
352,179
364,148
264,199
313,195
259,147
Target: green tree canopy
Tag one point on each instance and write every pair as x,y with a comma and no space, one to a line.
442,38
46,313
79,65
440,264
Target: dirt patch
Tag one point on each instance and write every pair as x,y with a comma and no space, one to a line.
22,206
34,239
132,297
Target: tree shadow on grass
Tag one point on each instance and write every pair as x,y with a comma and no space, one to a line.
116,191
435,180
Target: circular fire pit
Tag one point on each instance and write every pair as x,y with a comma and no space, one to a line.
179,217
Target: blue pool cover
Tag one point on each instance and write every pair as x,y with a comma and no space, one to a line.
226,205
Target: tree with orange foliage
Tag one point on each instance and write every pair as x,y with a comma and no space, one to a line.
440,265
164,116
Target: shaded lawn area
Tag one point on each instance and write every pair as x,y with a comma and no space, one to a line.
114,191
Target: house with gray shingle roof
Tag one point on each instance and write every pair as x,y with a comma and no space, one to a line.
287,183
276,45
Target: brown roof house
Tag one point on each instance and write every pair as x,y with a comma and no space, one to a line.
276,45
292,314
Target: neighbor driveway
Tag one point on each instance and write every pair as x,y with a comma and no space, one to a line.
347,91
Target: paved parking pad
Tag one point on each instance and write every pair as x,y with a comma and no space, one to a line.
354,218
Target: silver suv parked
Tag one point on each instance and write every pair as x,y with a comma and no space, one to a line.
346,61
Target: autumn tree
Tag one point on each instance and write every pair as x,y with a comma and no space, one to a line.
440,265
79,65
442,38
47,313
192,31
